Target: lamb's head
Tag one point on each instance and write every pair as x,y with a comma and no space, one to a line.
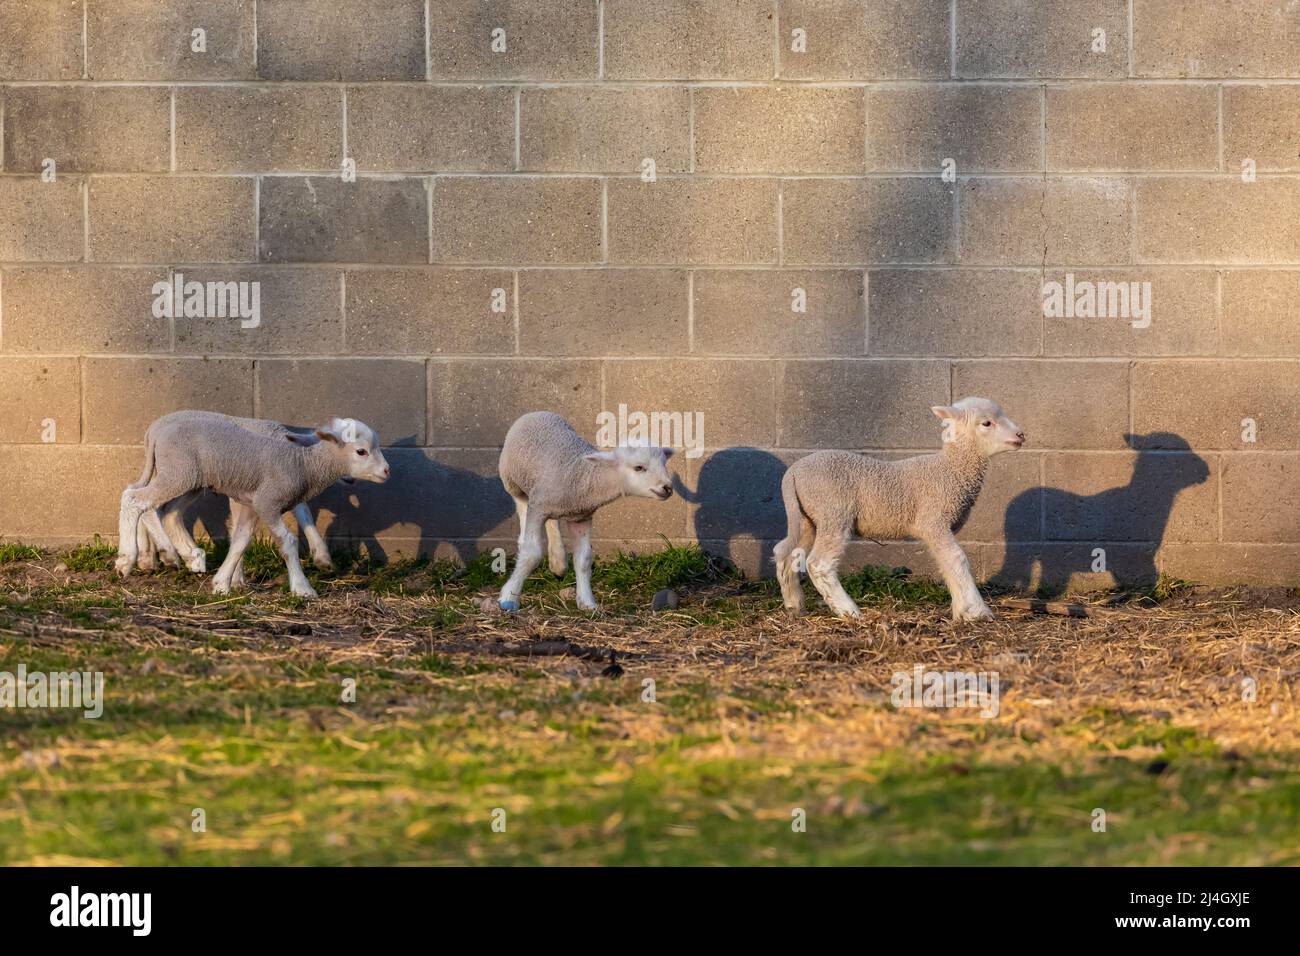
643,472
980,422
356,446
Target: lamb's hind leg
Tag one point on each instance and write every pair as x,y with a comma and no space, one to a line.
529,556
153,533
144,543
788,555
135,503
173,519
579,533
967,603
823,568
556,559
231,573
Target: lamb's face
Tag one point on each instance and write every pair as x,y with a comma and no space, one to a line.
643,471
981,422
358,444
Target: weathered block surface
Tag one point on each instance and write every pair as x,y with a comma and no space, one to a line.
693,221
865,221
155,39
864,39
792,225
386,394
40,400
39,221
340,40
502,220
171,219
680,39
430,311
473,402
1059,404
411,128
609,312
779,130
1036,221
1050,38
314,219
605,128
57,311
1244,38
87,129
1125,126
502,39
297,129
123,395
42,40
979,128
953,312
779,313
862,404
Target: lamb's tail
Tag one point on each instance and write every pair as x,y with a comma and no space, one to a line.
150,466
785,556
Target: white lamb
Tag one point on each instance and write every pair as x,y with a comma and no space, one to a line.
177,545
831,494
558,480
263,477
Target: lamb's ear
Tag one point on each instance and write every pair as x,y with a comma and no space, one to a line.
668,452
946,412
601,456
325,434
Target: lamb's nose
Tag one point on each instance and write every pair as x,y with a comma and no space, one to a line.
1022,436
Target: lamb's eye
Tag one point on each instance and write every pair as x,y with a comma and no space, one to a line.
362,452
988,424
639,468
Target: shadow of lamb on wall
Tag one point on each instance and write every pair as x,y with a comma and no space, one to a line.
1135,515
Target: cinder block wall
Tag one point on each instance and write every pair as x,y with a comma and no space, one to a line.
504,247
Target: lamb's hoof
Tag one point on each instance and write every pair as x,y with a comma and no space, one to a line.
848,615
508,605
559,571
145,564
306,591
588,605
323,564
794,611
981,613
198,562
123,566
220,587
172,560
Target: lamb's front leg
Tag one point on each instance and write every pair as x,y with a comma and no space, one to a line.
967,602
273,518
320,552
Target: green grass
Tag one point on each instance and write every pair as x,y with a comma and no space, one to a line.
249,726
1164,588
284,771
91,557
875,584
12,551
